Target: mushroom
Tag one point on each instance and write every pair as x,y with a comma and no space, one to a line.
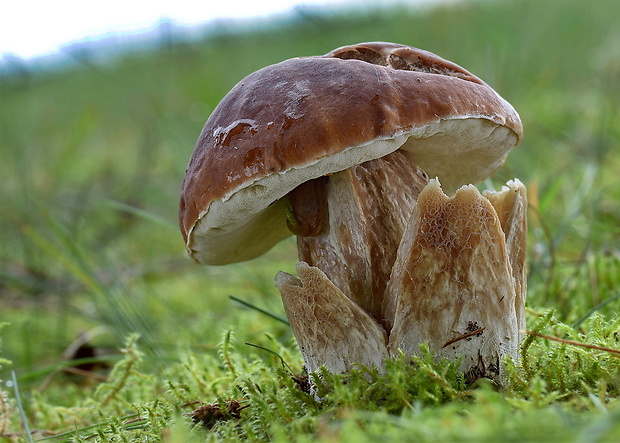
335,150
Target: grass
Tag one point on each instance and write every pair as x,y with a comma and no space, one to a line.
92,160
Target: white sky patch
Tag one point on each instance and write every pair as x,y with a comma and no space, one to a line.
36,27
30,28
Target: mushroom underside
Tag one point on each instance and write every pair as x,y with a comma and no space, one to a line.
247,221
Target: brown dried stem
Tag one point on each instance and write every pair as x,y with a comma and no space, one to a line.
573,343
463,337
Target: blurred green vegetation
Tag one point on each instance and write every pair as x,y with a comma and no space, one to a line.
92,158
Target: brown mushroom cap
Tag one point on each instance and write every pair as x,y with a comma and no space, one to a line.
307,117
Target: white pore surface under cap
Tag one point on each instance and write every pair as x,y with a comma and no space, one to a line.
461,151
248,221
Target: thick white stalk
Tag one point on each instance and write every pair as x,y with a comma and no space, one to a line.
453,285
368,208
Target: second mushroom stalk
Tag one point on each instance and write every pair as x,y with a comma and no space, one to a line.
388,262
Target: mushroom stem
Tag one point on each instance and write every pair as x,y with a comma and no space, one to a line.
368,208
307,212
331,330
455,277
457,283
511,207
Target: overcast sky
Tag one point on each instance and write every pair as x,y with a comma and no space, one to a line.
36,27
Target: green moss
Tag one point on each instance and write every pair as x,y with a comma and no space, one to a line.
416,398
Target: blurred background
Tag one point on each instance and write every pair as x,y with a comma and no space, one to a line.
95,135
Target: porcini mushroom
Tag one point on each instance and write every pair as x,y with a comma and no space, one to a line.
335,149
